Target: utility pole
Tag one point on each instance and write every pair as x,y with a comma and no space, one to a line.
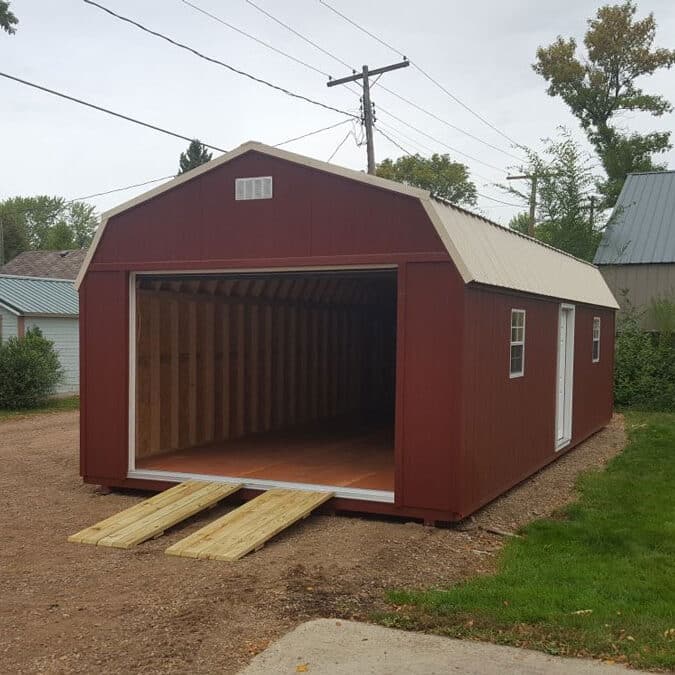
532,177
2,242
367,119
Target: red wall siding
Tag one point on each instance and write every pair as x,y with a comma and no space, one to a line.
104,381
313,219
312,215
432,387
593,397
509,423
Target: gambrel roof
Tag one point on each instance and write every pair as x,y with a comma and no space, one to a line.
482,251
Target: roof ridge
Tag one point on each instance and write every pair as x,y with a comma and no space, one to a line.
647,173
28,276
511,231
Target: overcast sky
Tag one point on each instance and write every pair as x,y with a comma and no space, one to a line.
480,51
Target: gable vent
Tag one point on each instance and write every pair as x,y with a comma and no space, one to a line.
253,188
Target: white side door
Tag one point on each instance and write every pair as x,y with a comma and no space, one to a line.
565,376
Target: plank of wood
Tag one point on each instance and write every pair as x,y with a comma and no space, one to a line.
248,527
174,415
208,396
155,515
225,375
192,373
254,371
240,372
267,369
92,534
155,377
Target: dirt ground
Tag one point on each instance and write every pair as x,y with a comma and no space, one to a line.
73,608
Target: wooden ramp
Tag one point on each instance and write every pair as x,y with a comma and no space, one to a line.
153,516
248,527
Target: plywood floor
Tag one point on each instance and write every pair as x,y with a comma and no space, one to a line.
339,457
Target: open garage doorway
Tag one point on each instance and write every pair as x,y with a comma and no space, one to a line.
268,377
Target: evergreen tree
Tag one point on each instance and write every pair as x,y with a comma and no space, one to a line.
7,18
195,156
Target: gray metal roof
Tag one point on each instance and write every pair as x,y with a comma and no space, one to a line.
642,227
37,296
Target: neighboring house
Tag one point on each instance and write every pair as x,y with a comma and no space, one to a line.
46,264
52,306
637,251
272,320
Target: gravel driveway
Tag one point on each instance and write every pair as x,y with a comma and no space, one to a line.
74,608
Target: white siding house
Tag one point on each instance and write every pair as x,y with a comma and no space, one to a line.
50,305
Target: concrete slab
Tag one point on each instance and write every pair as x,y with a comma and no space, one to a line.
336,647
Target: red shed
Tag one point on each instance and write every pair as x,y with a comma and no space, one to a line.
286,322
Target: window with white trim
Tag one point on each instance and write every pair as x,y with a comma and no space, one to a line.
596,339
517,355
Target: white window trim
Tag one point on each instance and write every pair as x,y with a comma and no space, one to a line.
594,339
513,343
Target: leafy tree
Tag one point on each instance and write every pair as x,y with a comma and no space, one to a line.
602,84
7,18
439,174
565,188
47,223
195,156
520,222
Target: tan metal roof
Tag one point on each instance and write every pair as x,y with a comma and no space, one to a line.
497,256
483,252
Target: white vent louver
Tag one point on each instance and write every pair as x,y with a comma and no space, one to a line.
253,188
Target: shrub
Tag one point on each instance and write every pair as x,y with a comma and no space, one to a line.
644,371
29,370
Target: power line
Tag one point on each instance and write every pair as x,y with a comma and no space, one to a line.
300,35
340,144
217,62
119,189
337,59
420,70
162,178
448,124
311,133
410,154
106,110
254,38
426,148
362,29
424,133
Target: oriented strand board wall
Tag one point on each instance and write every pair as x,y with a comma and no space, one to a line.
218,359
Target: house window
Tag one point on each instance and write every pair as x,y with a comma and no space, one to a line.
596,339
517,366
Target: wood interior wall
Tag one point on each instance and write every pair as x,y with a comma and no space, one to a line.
218,358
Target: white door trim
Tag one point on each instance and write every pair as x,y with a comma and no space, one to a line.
564,377
384,496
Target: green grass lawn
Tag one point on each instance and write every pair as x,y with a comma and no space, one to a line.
53,405
598,581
